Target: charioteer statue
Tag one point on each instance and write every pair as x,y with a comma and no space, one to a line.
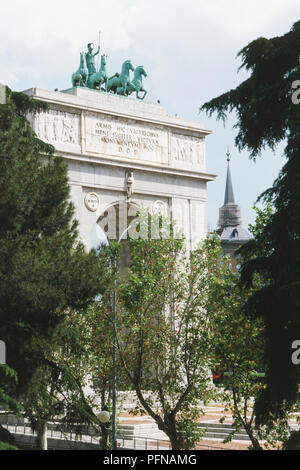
120,83
90,58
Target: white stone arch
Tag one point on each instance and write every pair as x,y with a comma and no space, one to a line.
111,224
116,217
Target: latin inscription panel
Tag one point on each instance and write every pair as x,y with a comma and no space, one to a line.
120,137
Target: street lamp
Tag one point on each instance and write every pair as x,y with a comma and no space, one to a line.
114,357
104,417
99,236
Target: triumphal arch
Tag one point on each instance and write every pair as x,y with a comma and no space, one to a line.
123,151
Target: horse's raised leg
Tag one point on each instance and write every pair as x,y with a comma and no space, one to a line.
145,93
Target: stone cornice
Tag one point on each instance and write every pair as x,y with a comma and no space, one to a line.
150,168
129,108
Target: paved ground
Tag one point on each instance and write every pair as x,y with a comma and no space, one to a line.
212,414
150,436
217,445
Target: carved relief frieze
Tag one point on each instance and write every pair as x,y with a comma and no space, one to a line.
58,127
125,138
188,149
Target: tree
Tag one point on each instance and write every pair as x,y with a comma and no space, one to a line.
239,348
164,333
74,383
267,115
79,363
8,377
238,345
44,269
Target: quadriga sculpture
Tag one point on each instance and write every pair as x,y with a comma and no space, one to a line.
137,82
97,79
79,78
119,83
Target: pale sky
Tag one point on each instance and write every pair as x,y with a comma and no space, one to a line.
188,49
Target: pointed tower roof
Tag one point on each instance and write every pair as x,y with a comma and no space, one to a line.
230,222
229,196
230,212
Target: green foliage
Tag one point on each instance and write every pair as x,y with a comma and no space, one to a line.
8,379
45,271
263,217
5,446
266,115
187,426
239,349
262,103
164,334
239,343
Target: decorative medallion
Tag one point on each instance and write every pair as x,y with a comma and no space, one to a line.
160,208
91,201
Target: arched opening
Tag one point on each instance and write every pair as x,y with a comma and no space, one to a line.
98,237
113,224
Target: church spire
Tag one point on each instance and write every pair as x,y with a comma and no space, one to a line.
230,212
229,196
232,233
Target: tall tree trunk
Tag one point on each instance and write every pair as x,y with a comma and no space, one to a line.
41,438
167,425
171,431
175,442
255,442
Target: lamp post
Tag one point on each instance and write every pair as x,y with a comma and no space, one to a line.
104,418
114,360
114,354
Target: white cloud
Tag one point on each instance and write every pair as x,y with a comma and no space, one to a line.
28,24
40,38
187,46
